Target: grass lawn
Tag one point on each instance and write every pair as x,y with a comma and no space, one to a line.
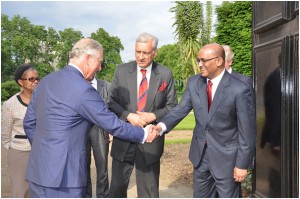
188,123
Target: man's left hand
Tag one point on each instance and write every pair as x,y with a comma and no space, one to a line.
239,174
147,116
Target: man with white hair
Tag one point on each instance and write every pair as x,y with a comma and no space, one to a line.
229,55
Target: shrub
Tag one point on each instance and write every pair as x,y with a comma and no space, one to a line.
8,89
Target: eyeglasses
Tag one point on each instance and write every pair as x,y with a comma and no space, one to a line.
205,60
32,79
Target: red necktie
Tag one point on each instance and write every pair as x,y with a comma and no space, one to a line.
209,93
143,91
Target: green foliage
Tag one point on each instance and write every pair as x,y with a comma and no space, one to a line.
112,47
188,19
67,38
8,89
188,23
192,31
43,69
19,44
188,123
169,56
206,32
234,28
247,183
23,42
47,49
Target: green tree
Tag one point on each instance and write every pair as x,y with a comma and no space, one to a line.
169,56
8,89
234,28
112,47
207,26
67,38
192,31
22,42
19,43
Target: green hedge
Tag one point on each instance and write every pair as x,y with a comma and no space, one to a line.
8,89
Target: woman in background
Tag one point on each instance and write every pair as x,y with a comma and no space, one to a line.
12,133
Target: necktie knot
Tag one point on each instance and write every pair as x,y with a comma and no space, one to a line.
209,83
143,71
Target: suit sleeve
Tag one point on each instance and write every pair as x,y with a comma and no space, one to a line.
30,119
113,98
93,108
246,129
180,111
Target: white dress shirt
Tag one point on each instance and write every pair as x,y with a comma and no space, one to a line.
94,83
215,85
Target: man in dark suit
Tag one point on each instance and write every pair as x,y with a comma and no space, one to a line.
159,97
229,55
57,122
99,141
224,137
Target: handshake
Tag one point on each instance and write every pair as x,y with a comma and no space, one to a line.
153,132
141,119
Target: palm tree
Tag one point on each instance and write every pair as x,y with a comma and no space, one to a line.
192,32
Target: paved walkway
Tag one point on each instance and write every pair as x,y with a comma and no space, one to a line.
166,191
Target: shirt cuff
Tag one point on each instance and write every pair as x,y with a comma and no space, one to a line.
145,135
163,127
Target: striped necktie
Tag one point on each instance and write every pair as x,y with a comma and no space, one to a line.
143,92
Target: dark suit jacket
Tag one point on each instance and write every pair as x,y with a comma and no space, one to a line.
123,100
57,122
229,126
102,88
245,79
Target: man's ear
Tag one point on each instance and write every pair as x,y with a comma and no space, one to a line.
155,53
220,61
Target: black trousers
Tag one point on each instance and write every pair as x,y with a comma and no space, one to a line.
147,176
99,141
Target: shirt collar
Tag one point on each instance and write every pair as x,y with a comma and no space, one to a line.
230,70
70,64
94,83
217,79
149,68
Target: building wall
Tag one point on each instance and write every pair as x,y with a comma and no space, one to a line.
276,82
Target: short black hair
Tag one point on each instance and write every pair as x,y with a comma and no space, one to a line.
20,71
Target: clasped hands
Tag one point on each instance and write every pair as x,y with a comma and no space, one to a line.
144,119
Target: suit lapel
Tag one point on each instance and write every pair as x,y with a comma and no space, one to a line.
219,95
201,88
153,86
132,85
99,87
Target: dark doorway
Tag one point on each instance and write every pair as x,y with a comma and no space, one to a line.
276,82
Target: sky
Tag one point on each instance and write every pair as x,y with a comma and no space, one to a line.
124,19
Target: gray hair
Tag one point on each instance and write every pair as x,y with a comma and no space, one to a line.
229,54
145,37
85,46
